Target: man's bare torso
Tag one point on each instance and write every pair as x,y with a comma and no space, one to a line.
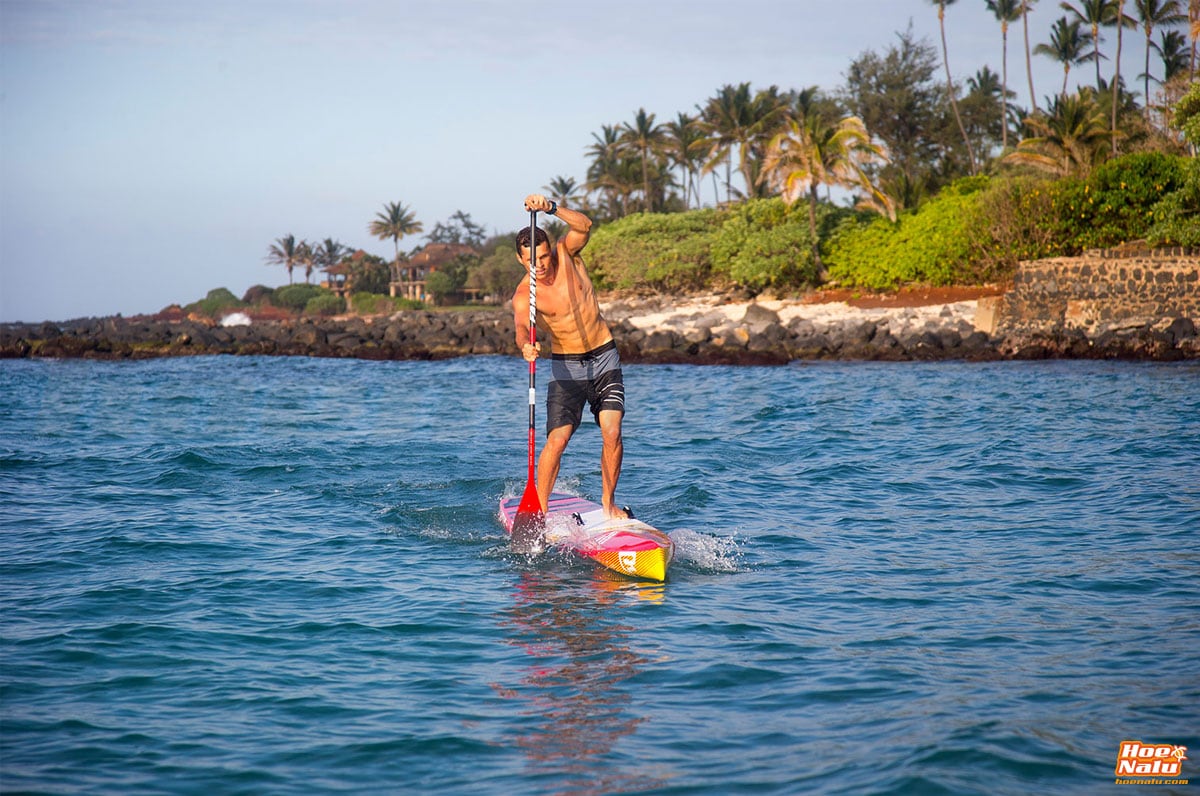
568,308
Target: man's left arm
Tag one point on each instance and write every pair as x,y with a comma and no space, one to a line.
579,229
579,226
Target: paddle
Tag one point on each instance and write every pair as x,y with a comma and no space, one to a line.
529,523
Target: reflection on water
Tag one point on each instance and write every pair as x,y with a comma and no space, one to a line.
574,686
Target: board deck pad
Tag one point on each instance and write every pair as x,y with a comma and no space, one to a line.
627,546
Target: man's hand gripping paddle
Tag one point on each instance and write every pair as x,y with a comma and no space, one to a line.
530,523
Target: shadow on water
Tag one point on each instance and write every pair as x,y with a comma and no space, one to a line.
576,699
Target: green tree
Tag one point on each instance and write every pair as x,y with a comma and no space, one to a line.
369,273
562,190
329,254
1155,14
440,285
725,120
609,172
983,113
1068,45
812,153
685,147
735,119
1095,14
395,222
1069,140
646,139
898,99
306,257
1194,29
499,273
951,91
1006,11
1120,21
1172,48
1026,5
1186,116
283,252
460,229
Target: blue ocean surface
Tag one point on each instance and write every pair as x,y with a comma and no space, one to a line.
286,576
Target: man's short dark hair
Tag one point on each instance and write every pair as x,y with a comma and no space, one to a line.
523,238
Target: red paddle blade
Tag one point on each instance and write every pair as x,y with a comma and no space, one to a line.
529,523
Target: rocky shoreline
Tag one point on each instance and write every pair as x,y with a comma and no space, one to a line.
714,329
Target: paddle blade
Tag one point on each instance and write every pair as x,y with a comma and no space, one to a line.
529,523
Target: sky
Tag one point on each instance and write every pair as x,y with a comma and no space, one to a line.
152,150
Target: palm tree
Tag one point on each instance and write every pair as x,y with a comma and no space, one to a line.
1094,13
734,118
1068,45
608,171
1194,25
283,252
1156,13
561,190
985,88
769,112
684,145
395,222
1006,11
1068,140
1025,6
1121,21
1172,48
329,254
941,6
725,119
645,138
305,257
810,153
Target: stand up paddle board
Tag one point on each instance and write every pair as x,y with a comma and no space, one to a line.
630,547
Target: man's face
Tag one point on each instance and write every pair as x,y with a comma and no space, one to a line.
542,267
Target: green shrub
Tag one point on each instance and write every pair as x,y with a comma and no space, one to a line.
1012,225
657,250
259,295
1176,219
218,300
1116,202
296,297
325,304
765,243
440,285
933,245
376,303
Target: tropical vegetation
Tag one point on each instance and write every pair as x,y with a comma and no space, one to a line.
902,174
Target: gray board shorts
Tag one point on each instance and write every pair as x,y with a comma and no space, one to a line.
593,377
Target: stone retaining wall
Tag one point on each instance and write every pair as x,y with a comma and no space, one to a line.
1101,290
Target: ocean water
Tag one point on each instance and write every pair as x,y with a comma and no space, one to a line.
285,575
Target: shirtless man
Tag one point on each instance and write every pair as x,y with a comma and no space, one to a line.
584,365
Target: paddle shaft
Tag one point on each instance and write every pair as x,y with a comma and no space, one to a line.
532,340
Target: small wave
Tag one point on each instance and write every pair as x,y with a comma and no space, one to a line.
236,319
707,553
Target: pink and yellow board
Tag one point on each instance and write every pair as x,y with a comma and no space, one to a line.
629,547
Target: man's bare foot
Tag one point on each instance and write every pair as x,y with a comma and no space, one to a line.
617,513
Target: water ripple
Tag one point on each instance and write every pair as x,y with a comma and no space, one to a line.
286,576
